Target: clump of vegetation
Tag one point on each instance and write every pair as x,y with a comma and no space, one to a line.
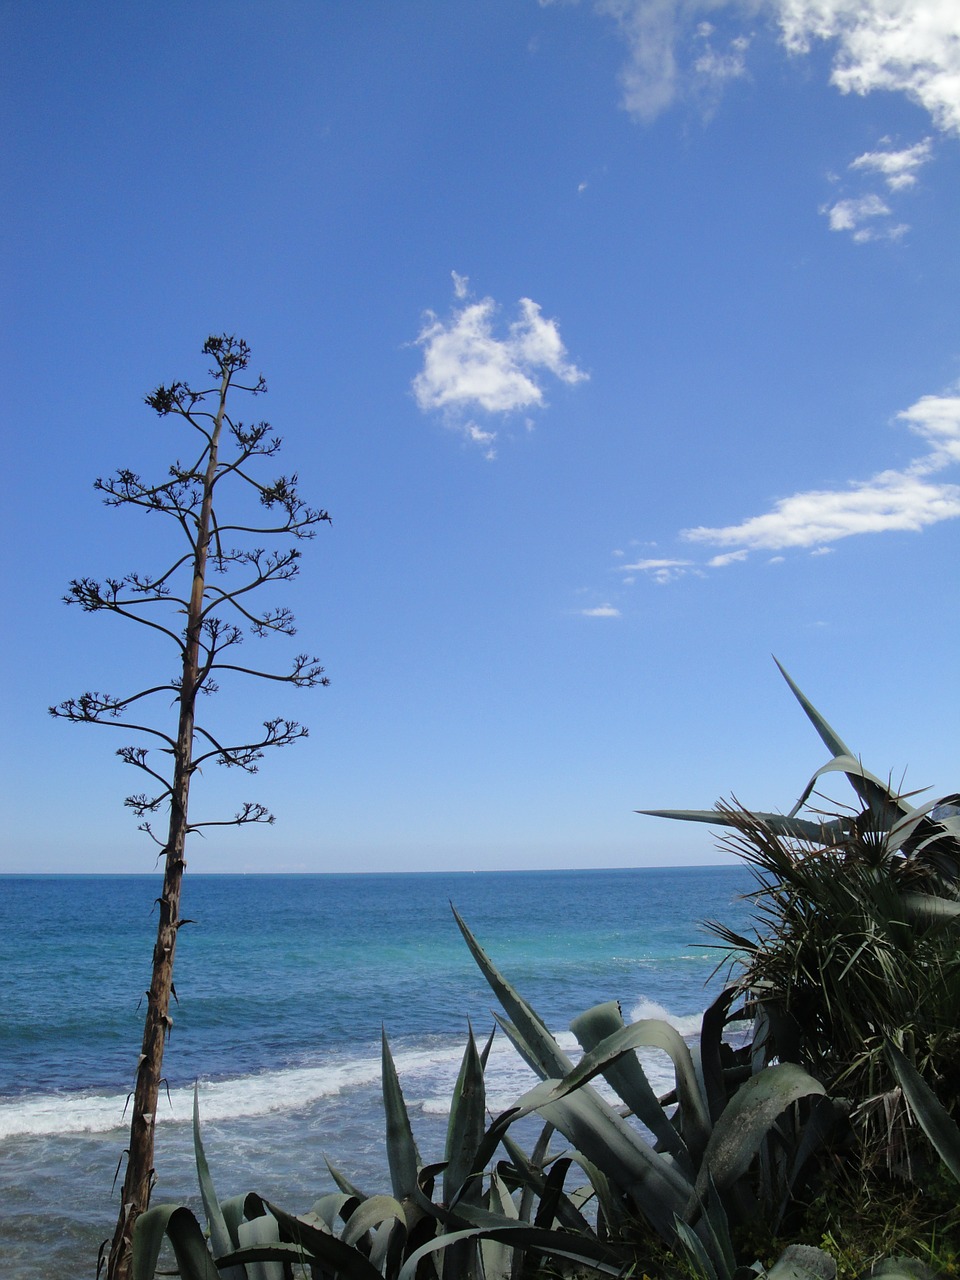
811,1152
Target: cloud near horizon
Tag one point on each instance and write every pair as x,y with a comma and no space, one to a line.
468,369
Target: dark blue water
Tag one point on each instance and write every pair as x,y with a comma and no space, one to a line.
283,983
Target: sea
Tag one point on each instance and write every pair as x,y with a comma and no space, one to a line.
283,985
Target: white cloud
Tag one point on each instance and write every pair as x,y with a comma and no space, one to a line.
601,611
728,557
661,571
467,368
650,29
720,67
905,46
478,436
899,168
936,419
863,217
891,500
869,217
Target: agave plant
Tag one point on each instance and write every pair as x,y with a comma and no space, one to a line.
726,1144
729,1143
929,835
473,1230
857,916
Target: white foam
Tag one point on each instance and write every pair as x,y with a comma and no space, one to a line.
427,1074
47,1115
686,1024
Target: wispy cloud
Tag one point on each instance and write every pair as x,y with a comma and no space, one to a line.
899,168
869,216
903,46
865,217
468,369
891,500
601,611
650,29
910,498
661,571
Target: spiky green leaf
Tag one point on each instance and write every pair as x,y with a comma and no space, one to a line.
553,1062
747,1119
186,1237
627,1076
933,1118
465,1128
402,1155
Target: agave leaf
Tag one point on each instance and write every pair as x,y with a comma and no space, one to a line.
334,1205
371,1214
655,1185
342,1181
496,1256
534,1181
528,1169
222,1239
780,824
699,1260
928,908
485,1051
748,1117
232,1210
628,1078
823,1116
933,1118
402,1154
877,797
803,1262
389,1242
555,1244
533,1030
717,1228
609,1205
184,1232
884,802
829,737
552,1192
904,830
500,1200
148,1232
350,1263
711,1062
465,1128
653,1181
537,1064
262,1232
604,1117
326,1248
652,1033
902,1269
606,1140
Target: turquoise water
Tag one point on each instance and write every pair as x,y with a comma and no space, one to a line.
283,984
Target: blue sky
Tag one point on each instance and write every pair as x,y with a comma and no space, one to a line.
619,338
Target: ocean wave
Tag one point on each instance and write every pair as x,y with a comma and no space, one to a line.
687,1024
428,1074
